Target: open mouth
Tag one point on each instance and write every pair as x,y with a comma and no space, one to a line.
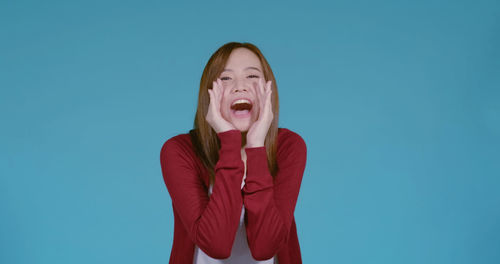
241,108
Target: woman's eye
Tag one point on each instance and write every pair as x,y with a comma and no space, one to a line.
224,78
253,76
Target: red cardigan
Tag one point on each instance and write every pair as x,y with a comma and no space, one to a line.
211,222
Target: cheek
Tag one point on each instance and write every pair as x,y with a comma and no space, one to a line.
226,84
255,111
255,86
224,102
225,108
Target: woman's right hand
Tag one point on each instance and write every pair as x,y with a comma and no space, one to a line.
214,116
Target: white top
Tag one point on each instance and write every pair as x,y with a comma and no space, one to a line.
240,253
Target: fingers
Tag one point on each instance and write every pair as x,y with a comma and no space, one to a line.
210,94
220,88
261,85
218,85
264,96
268,92
217,93
261,92
215,89
210,105
265,88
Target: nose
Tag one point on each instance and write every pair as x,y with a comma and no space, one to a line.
240,86
238,89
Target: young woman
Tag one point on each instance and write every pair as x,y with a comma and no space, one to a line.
234,179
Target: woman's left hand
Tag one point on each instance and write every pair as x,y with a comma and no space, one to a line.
256,134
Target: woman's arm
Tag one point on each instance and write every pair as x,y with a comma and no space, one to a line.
269,207
210,222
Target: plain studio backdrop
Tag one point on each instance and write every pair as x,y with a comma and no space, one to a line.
398,102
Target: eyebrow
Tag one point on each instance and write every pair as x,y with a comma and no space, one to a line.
247,68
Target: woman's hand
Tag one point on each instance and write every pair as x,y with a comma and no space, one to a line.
214,116
256,134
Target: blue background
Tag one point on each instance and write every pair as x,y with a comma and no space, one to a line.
398,102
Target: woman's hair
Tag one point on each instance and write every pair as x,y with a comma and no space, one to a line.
204,138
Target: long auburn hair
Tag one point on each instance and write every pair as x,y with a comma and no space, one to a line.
204,138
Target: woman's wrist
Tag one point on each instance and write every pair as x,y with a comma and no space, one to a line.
254,145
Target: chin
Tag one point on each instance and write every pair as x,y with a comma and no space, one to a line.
242,126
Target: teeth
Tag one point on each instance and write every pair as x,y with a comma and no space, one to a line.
240,101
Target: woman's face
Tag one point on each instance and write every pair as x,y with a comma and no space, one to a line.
240,80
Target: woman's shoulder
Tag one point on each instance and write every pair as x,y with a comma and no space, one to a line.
179,142
288,134
288,138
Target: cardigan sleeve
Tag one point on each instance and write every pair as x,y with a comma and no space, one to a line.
269,206
211,222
